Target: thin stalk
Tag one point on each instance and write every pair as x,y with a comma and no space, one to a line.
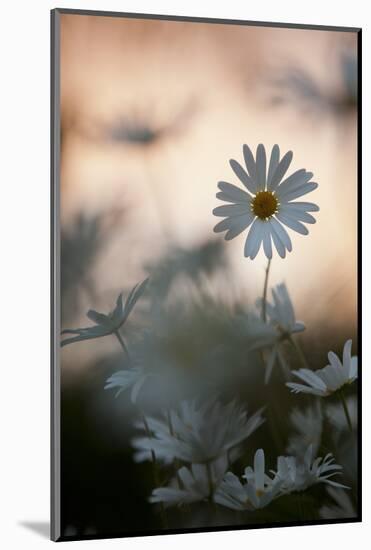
155,472
149,435
184,508
176,461
299,352
210,481
122,344
345,407
265,290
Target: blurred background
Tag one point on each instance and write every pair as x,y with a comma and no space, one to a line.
151,113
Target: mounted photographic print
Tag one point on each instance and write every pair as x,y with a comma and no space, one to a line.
205,274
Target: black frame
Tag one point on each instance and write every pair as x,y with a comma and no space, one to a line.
55,533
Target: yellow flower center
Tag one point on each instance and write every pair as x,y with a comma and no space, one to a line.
264,204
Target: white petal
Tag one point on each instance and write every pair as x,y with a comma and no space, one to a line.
334,360
353,371
311,378
299,326
242,175
231,210
305,206
292,194
300,388
136,389
254,239
296,213
225,224
280,247
239,224
296,179
347,354
293,224
281,233
234,192
273,163
267,243
250,163
259,469
281,170
261,166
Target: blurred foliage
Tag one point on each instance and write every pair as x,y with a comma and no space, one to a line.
298,85
197,344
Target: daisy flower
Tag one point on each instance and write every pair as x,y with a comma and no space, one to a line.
110,323
266,205
297,475
133,379
193,484
194,487
333,377
257,492
308,425
198,433
281,325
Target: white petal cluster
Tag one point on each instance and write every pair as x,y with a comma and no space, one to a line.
308,425
260,489
281,325
197,432
193,484
128,379
257,491
298,474
324,382
267,205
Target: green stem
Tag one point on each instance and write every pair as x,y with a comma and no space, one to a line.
265,290
148,433
210,480
122,344
176,461
345,407
155,472
299,352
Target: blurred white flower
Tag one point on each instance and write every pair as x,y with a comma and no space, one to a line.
192,484
266,204
280,327
107,324
197,433
281,312
308,427
132,378
195,487
343,509
257,492
333,377
297,475
335,414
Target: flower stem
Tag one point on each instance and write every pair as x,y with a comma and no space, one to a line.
155,472
176,461
123,345
299,352
210,480
265,290
346,411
